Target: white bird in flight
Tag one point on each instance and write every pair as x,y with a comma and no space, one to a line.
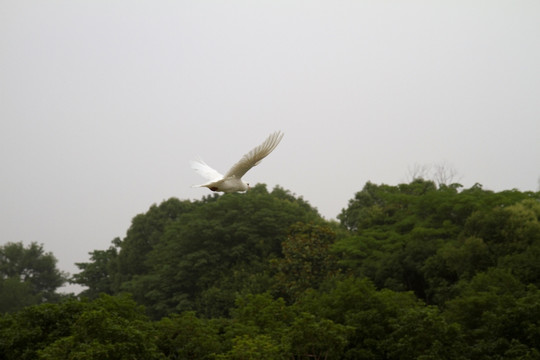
232,181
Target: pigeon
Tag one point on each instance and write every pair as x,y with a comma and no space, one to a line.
232,180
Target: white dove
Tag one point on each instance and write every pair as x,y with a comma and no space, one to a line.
232,181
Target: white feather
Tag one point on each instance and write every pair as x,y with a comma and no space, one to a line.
205,171
255,156
232,182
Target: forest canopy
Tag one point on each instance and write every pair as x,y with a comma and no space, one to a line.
420,270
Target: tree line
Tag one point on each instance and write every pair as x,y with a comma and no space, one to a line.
419,270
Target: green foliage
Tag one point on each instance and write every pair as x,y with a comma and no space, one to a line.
200,256
260,314
28,276
422,333
24,333
422,238
99,274
16,294
107,328
413,271
384,324
258,347
263,327
499,315
357,304
306,261
509,230
187,337
314,338
145,232
455,260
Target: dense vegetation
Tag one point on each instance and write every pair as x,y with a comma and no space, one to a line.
413,271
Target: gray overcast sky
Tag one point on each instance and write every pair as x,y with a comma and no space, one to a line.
103,103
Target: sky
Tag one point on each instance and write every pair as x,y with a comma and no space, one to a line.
103,103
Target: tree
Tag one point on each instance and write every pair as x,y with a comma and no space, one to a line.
265,328
260,314
199,257
108,328
384,324
357,304
101,274
455,260
421,332
186,336
15,295
310,337
28,275
256,276
144,233
307,260
499,316
253,347
256,327
442,173
105,328
27,331
425,238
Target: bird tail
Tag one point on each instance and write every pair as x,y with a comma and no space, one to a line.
205,171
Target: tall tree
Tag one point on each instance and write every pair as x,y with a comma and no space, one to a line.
184,255
208,247
101,274
144,233
108,269
28,275
416,236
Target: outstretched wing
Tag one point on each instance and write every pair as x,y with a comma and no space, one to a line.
205,171
255,156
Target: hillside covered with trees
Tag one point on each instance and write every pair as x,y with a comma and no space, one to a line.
412,271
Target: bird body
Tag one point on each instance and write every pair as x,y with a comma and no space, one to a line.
232,180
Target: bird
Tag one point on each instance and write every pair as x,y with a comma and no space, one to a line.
232,180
